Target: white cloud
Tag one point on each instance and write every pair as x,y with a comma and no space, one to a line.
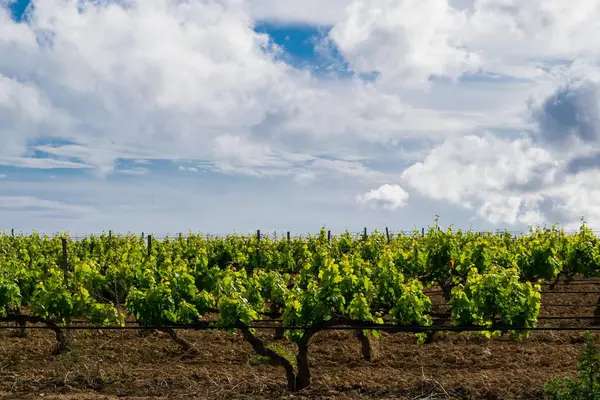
406,41
500,179
409,40
512,209
42,208
99,156
506,181
299,11
566,115
576,196
389,197
511,31
160,80
188,169
41,163
235,154
304,177
134,171
23,111
353,169
193,84
155,79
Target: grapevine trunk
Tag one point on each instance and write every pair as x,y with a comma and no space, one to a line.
365,344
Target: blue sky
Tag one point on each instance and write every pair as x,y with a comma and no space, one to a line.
17,9
221,116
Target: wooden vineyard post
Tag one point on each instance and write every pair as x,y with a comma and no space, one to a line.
288,236
65,261
387,234
329,237
258,260
12,232
365,236
63,337
149,245
422,231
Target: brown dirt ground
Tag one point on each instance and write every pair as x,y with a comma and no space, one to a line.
110,364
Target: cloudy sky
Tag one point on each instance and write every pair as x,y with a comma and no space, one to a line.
235,115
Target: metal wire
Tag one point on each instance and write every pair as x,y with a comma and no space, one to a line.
277,321
543,305
407,329
274,234
542,292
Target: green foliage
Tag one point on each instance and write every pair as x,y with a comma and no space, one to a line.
10,296
312,281
496,295
587,386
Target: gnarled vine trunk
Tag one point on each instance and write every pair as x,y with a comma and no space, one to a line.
63,338
300,378
279,332
365,345
447,290
303,375
186,346
259,347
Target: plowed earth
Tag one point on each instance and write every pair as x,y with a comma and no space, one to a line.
122,364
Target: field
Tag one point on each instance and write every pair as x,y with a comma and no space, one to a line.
106,365
319,317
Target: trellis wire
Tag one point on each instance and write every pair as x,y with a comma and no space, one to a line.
542,292
276,234
407,329
543,317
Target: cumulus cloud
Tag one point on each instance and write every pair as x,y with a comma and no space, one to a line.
406,41
533,30
461,168
506,181
173,80
577,196
160,79
105,85
23,108
499,179
389,197
569,114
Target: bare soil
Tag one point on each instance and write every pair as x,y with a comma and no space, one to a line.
121,364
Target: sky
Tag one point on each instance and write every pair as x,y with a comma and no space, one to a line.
221,116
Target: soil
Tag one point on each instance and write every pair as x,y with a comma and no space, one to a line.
124,365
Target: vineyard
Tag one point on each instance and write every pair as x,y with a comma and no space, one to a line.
280,296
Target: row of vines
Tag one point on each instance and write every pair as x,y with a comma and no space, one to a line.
301,285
